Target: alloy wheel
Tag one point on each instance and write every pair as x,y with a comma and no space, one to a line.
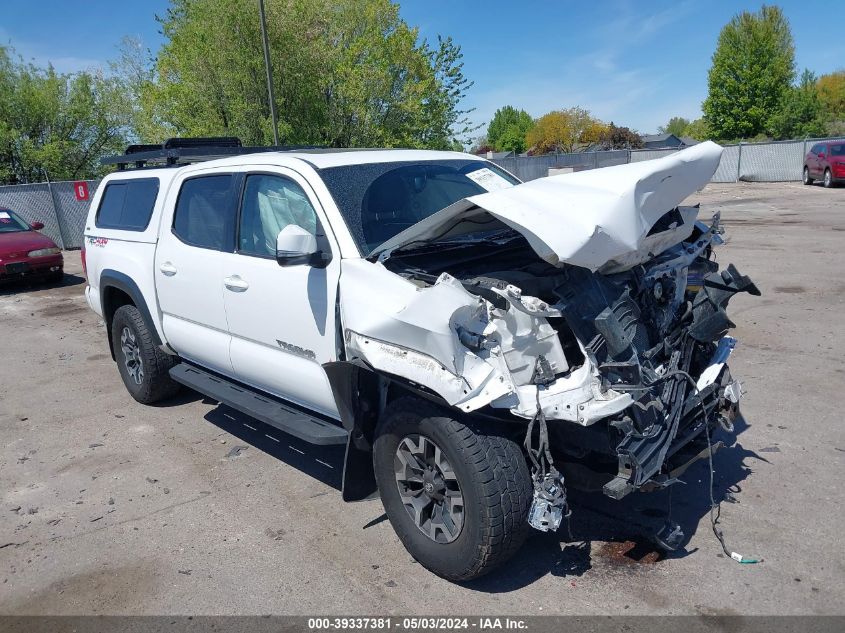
132,355
429,488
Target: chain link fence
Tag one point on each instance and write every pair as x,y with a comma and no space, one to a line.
55,205
776,161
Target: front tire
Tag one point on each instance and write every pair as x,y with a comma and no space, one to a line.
828,179
142,364
456,492
806,178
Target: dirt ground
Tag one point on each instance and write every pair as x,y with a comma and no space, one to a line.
112,507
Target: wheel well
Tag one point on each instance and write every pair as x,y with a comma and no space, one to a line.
113,298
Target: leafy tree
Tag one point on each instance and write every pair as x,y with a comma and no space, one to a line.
831,90
698,130
563,130
508,128
616,137
753,69
801,114
57,124
346,73
677,125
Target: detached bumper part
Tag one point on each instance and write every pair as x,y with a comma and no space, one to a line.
549,505
658,456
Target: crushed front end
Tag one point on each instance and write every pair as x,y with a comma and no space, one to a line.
587,310
658,332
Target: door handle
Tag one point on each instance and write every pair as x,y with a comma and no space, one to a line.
235,284
167,269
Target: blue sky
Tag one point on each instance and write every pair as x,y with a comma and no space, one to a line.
635,63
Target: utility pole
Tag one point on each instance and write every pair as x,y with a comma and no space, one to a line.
269,68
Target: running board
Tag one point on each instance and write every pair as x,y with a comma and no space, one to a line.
254,404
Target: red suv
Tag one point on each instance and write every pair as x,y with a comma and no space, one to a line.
825,162
24,252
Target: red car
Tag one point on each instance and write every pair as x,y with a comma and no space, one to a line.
25,253
825,162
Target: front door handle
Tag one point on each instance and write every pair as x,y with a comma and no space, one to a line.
235,284
167,269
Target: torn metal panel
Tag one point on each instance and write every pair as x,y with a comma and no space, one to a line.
607,213
464,349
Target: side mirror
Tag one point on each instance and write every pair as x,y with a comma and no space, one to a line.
37,225
296,246
821,155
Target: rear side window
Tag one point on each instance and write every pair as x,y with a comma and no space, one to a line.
127,204
204,212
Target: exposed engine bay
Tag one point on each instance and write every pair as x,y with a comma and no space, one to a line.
622,358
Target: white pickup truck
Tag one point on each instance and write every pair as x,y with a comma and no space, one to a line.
478,344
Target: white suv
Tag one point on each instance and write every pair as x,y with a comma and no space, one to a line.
477,344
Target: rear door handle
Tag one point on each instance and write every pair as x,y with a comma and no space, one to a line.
235,284
167,269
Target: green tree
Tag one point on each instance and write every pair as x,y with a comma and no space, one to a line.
753,69
508,129
346,72
831,88
801,114
698,130
677,125
58,124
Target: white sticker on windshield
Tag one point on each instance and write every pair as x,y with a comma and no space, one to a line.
489,179
4,216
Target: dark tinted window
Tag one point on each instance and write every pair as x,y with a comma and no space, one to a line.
379,200
204,211
127,204
817,149
270,203
837,150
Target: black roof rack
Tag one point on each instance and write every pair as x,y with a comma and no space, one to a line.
181,151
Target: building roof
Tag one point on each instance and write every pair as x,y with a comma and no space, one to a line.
656,138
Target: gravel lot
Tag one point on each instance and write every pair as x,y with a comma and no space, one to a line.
189,508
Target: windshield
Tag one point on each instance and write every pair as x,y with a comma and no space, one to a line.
837,150
379,200
10,222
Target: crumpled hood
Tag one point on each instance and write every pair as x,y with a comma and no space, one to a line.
594,219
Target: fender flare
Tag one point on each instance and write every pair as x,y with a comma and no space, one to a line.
114,279
356,389
361,393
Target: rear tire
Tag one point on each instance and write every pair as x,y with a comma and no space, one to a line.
142,364
828,179
485,469
806,179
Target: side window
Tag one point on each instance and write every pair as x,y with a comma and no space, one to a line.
203,211
270,203
816,149
127,204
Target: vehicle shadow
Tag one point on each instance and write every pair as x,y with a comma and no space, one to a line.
620,533
323,463
33,285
